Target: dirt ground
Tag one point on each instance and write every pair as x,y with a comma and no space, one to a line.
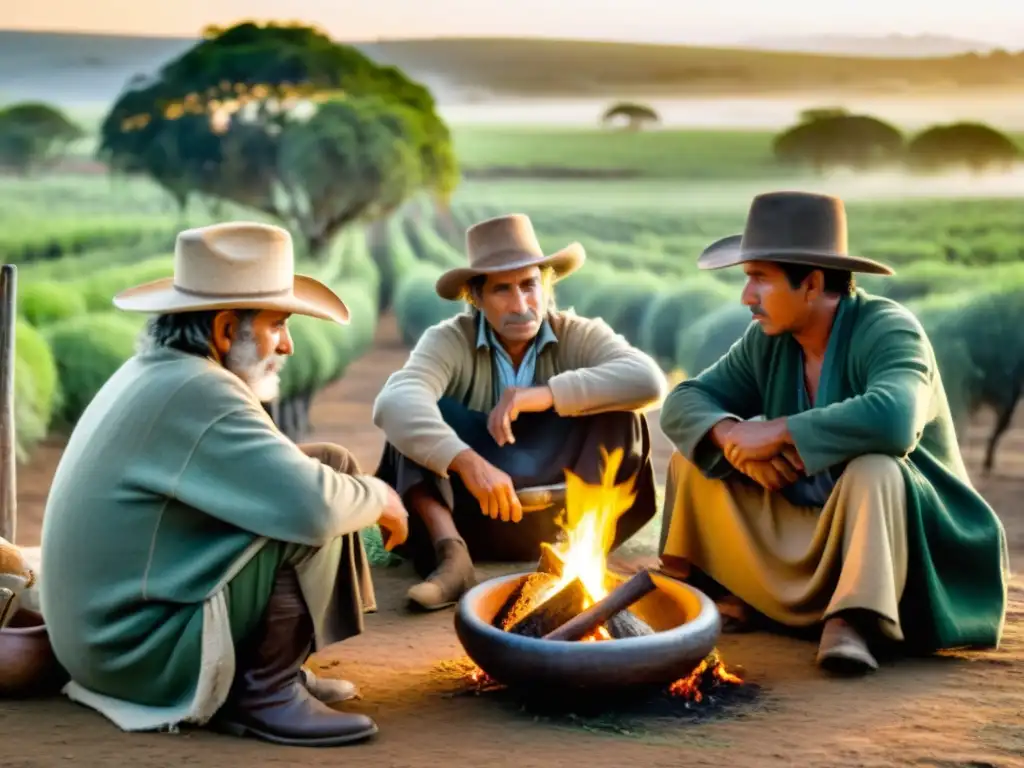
950,712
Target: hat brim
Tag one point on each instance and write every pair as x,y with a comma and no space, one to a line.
564,262
308,297
728,252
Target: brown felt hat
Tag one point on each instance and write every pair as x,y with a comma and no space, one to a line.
235,265
503,244
792,227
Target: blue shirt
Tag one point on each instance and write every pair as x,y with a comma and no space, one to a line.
505,373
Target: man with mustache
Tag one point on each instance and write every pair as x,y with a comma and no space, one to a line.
508,395
817,480
194,556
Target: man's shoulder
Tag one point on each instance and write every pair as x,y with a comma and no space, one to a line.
459,328
195,382
881,314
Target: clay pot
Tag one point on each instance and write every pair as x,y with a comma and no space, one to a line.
27,664
685,620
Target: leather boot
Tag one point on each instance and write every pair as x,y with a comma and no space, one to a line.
453,576
268,698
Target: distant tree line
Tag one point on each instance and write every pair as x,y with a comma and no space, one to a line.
833,137
34,136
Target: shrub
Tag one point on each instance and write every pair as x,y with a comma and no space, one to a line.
417,305
44,302
677,308
710,337
35,388
99,289
622,302
88,350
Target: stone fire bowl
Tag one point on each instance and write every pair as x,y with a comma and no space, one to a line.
685,620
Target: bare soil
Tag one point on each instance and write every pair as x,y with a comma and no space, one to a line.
954,711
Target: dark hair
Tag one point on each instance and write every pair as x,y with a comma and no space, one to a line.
189,332
836,280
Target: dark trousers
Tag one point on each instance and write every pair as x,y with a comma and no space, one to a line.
546,445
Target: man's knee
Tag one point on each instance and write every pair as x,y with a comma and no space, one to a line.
872,470
334,456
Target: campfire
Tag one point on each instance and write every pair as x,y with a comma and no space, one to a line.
572,597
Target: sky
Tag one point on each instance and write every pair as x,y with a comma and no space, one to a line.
1000,22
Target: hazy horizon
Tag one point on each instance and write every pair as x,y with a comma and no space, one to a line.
992,22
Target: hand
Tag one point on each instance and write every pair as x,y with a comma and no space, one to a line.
491,487
772,474
514,401
394,520
756,441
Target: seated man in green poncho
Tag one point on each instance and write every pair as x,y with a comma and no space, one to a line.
193,555
817,479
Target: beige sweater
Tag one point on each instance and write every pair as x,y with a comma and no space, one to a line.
590,370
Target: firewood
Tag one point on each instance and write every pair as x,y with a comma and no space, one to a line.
553,612
583,623
627,624
549,561
523,599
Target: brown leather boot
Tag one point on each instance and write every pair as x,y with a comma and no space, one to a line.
268,698
453,576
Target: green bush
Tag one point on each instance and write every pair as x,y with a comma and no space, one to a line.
417,305
35,388
673,310
88,350
315,358
623,302
575,291
710,337
46,302
99,289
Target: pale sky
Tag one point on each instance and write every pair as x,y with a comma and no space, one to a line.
686,21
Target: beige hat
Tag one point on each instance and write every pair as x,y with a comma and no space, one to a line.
235,265
503,244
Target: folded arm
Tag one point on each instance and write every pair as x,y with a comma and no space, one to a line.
891,414
406,408
244,472
605,373
727,390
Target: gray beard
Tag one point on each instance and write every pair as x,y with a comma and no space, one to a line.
260,375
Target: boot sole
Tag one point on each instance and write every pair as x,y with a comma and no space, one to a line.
237,729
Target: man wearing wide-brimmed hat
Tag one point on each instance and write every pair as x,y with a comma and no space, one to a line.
503,397
817,480
194,556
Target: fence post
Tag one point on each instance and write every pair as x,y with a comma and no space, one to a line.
8,488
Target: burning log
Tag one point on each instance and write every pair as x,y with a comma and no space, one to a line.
523,599
550,562
559,609
583,623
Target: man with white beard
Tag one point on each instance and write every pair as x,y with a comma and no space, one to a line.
193,555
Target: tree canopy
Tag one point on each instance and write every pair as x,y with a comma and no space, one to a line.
635,114
973,145
283,120
832,137
33,134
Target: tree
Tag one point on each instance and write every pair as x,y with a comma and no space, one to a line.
974,145
283,120
635,114
832,138
34,135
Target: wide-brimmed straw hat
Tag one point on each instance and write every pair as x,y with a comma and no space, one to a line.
235,265
503,244
792,227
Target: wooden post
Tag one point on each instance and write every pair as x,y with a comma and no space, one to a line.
8,489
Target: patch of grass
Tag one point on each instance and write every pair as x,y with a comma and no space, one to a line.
688,154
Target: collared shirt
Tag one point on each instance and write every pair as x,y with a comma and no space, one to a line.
505,373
